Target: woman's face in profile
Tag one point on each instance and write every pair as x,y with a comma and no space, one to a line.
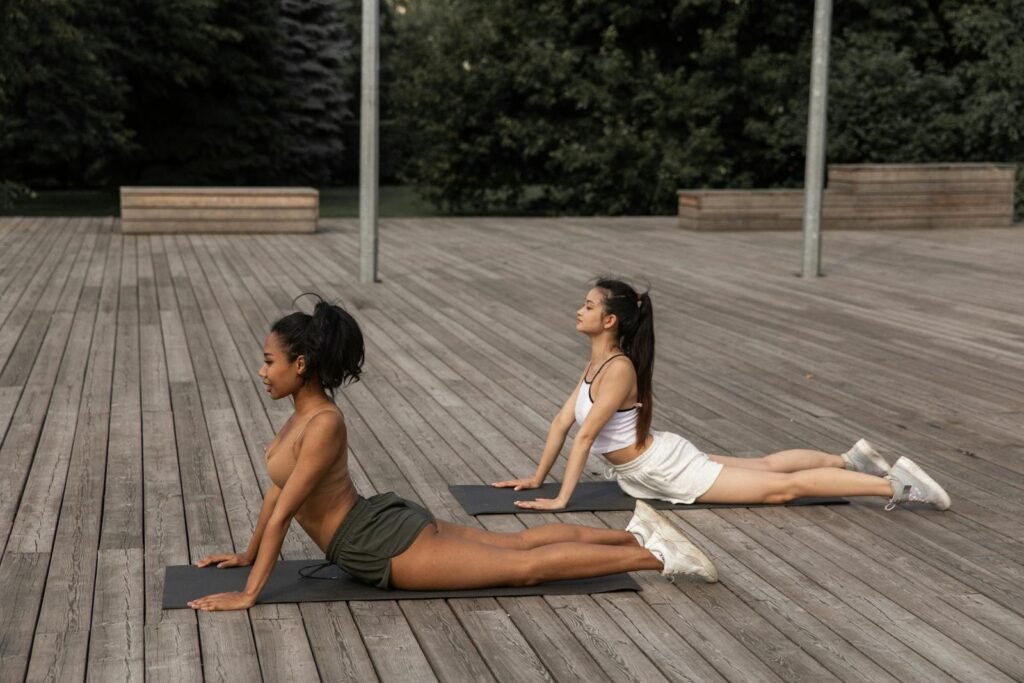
280,376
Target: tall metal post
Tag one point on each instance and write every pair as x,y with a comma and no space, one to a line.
369,120
814,171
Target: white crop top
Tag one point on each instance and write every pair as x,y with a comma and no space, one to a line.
619,431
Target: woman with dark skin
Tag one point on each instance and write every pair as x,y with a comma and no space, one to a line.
612,403
384,540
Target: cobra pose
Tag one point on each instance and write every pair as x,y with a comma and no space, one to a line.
612,405
384,540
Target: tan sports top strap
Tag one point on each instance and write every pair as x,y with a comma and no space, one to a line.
303,430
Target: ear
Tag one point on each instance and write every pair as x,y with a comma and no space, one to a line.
300,364
610,321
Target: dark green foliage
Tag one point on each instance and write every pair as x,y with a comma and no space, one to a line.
206,110
62,104
929,81
609,107
584,106
316,52
172,92
501,96
12,192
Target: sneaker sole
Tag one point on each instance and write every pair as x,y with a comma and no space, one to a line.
710,574
710,570
915,469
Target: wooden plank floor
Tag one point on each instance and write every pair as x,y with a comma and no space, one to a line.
133,428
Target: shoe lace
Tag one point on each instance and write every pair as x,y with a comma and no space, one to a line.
898,498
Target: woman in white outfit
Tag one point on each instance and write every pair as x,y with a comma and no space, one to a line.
612,403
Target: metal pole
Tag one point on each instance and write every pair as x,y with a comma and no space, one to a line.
814,171
369,120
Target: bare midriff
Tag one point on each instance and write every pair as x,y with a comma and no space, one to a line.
629,453
322,514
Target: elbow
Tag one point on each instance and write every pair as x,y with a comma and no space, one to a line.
279,523
586,437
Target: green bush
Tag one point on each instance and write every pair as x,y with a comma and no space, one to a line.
11,192
62,115
609,108
96,94
553,106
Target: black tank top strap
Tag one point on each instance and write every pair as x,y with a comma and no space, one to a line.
599,369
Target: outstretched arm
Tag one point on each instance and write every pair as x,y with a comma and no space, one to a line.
323,442
615,389
224,560
557,432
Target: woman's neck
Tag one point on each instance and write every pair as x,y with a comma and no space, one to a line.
309,396
603,347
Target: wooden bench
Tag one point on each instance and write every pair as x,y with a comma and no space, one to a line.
919,196
219,209
867,196
740,209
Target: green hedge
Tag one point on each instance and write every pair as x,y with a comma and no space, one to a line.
609,107
96,94
552,106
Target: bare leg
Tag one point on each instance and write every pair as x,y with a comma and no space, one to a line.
439,561
536,537
795,460
739,485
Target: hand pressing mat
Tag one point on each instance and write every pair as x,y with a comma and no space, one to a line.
187,582
589,496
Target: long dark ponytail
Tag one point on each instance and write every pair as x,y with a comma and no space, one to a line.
330,340
636,338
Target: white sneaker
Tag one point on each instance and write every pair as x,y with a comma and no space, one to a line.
643,523
910,484
863,458
676,552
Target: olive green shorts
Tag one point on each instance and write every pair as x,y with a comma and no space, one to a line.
375,530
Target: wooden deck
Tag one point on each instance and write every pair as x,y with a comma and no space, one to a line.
133,428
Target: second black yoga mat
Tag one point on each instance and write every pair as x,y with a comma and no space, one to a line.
589,496
186,582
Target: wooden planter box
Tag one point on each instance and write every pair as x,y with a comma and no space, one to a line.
219,209
919,195
867,196
740,209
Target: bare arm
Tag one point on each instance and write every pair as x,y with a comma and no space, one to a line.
615,389
557,432
321,445
224,560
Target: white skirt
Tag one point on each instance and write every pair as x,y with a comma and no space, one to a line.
671,469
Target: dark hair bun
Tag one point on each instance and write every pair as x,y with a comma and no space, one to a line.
330,341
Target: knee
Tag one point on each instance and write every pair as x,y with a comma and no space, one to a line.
785,493
779,498
531,570
781,489
770,463
521,540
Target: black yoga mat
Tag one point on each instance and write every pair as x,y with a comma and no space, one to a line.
187,582
589,496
